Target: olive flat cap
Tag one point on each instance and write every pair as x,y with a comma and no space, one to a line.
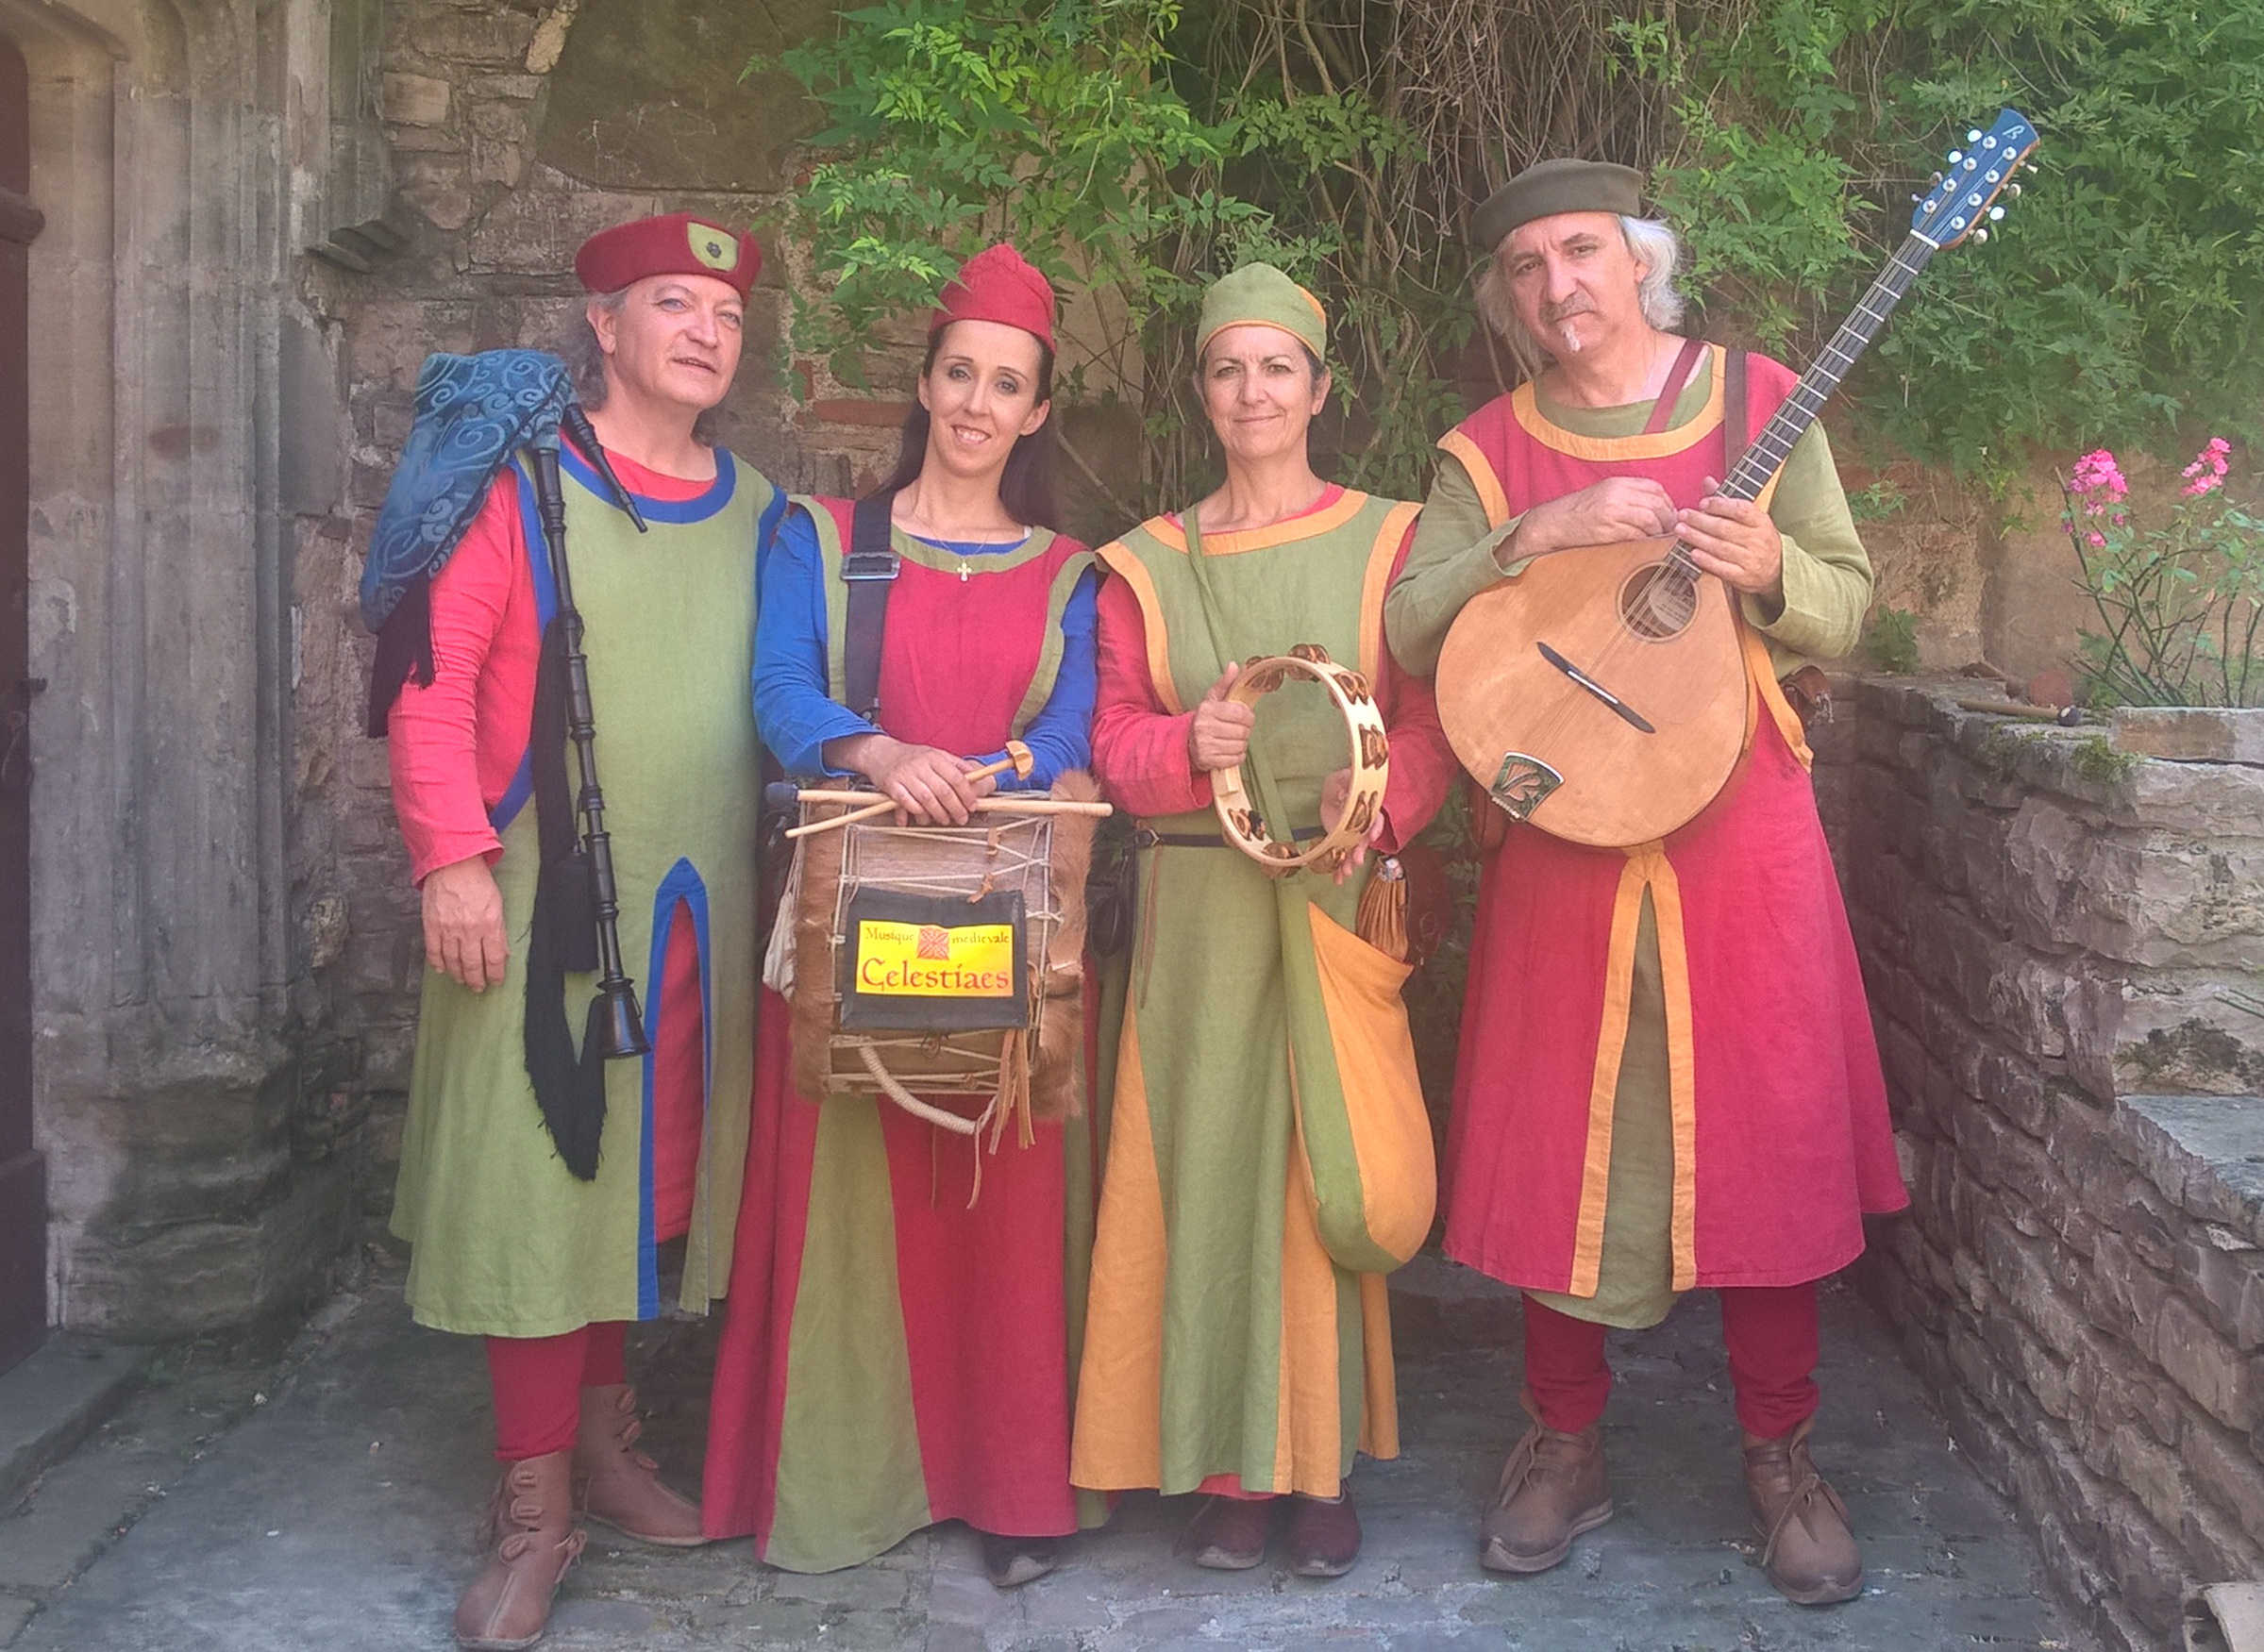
1549,187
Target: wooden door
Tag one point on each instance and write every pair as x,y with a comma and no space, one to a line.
23,1172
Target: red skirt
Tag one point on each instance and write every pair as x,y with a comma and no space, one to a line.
890,1357
1782,1135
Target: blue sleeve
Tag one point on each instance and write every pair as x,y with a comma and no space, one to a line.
1060,737
794,713
766,534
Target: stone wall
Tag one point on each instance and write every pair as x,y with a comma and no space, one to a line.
1985,579
2063,945
260,215
177,153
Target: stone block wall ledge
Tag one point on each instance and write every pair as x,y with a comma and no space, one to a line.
2064,945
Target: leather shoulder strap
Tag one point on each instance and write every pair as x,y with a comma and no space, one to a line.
1686,363
1735,427
869,568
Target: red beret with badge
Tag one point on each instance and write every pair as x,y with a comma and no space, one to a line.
676,243
998,284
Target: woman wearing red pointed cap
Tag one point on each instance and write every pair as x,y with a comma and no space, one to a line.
897,1353
546,1262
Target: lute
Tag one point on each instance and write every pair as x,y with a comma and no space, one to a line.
1601,694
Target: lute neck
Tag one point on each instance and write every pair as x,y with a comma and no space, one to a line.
1769,449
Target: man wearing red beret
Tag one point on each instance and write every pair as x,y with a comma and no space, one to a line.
548,1263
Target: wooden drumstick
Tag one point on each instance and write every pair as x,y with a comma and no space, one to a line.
1017,758
1003,803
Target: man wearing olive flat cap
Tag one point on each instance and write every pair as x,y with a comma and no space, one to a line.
1667,1079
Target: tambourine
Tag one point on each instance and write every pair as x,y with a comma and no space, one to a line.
1241,822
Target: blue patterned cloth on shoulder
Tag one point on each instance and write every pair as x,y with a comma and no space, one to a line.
472,412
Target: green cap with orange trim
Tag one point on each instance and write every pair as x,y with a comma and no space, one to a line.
1259,294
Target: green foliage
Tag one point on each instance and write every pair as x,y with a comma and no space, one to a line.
2099,763
957,122
1134,148
1877,502
1891,641
1065,127
2124,296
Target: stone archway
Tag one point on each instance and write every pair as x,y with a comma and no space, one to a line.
173,147
23,1168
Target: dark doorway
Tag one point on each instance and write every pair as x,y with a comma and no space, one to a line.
23,1171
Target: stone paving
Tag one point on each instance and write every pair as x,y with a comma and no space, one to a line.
336,1513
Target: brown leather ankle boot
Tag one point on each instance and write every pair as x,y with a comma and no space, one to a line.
1011,1562
1807,1549
1552,1489
1324,1535
531,1529
1229,1534
616,1483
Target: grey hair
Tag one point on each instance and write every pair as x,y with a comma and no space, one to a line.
578,347
1650,242
579,350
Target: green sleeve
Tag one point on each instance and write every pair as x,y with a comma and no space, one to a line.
1827,575
1450,561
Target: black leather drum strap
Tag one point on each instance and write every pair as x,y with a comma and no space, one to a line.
1734,428
869,568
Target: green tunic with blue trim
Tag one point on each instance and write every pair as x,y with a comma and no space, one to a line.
506,1240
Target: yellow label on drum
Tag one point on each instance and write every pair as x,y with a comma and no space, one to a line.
929,960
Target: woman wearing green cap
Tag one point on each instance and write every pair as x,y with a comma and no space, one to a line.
1270,1158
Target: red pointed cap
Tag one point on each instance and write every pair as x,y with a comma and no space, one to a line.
677,243
998,284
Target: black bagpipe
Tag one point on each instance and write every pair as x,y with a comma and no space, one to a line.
576,905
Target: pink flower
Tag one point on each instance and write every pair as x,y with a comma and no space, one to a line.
2098,481
2096,539
2206,475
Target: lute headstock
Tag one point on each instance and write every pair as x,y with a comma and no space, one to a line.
1963,200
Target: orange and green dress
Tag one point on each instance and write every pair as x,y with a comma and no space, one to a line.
1270,1158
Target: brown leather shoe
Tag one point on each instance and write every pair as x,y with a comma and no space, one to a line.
1807,1549
1324,1536
530,1526
616,1483
1228,1534
1011,1562
1552,1489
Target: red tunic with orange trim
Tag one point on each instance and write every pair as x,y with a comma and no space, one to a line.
1777,1137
